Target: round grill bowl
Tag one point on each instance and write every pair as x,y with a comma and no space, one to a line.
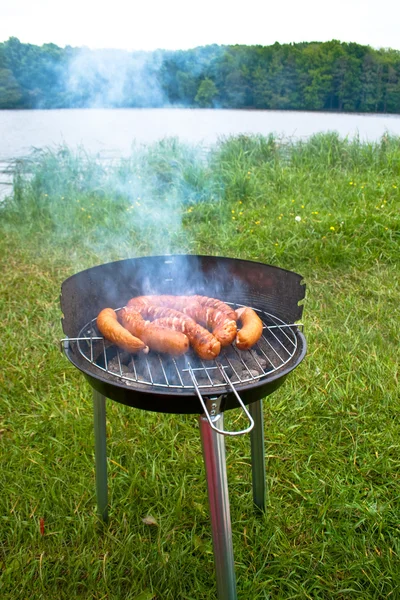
267,289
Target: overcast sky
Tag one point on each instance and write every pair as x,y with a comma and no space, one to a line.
182,24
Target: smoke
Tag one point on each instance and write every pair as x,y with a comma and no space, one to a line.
114,79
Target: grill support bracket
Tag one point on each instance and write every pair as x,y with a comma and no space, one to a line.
217,485
214,454
99,413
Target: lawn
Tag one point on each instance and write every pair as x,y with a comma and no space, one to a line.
327,208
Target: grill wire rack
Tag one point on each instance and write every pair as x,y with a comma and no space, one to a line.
233,367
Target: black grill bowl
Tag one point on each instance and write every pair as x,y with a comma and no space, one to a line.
264,287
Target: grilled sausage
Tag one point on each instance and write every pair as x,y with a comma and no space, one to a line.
158,339
201,340
209,312
222,327
251,330
216,305
108,325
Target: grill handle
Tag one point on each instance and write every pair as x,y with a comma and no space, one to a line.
211,406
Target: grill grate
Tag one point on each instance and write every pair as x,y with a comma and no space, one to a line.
273,351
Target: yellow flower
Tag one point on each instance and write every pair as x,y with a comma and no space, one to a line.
190,210
257,222
332,228
233,212
240,202
233,218
395,186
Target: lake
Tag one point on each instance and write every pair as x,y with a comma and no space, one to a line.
110,133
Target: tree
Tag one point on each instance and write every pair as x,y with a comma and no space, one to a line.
206,93
10,91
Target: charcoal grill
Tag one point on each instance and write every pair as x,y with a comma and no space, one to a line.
188,385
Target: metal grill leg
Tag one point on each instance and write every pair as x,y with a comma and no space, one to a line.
217,483
99,408
258,456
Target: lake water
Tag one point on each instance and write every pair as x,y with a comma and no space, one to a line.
111,132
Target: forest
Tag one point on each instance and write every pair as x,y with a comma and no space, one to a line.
313,76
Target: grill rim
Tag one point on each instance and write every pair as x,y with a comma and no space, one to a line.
85,293
139,396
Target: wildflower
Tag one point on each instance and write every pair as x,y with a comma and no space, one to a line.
276,244
257,222
394,186
302,206
241,212
233,218
280,218
297,218
351,183
240,202
233,212
190,210
332,228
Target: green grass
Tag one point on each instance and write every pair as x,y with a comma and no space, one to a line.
331,432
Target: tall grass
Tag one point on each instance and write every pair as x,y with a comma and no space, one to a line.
327,208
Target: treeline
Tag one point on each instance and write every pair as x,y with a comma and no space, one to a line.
307,76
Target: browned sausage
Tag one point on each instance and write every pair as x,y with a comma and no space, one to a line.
222,327
209,312
158,339
251,330
216,305
202,341
108,325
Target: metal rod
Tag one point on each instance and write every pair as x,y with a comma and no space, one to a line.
258,456
217,484
99,409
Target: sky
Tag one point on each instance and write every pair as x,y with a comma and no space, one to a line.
182,24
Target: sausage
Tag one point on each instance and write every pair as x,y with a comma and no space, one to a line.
216,305
202,341
206,346
252,328
109,327
184,302
158,339
222,327
209,312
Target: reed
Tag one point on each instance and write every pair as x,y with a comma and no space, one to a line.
327,208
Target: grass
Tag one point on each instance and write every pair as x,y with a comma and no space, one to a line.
327,208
